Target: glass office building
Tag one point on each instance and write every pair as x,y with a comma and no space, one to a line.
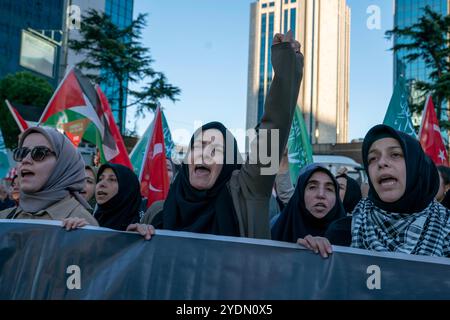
121,13
408,12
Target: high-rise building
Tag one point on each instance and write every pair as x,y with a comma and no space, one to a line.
406,13
121,13
323,29
29,37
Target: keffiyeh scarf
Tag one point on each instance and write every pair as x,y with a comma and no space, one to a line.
422,233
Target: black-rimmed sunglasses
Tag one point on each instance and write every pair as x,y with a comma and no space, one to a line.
37,153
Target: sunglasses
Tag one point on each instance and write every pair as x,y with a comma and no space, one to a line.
37,153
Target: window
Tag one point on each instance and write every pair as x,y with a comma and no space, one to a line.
286,17
264,5
293,21
269,55
262,55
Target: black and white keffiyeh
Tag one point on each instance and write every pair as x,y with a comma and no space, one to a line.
415,223
422,233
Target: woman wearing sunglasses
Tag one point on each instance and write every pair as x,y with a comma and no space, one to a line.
51,175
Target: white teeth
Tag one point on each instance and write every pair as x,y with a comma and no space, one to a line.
388,183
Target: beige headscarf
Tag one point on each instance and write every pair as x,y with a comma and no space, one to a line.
68,176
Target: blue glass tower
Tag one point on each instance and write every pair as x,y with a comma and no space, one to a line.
121,13
408,12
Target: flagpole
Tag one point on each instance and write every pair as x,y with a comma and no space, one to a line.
22,129
54,93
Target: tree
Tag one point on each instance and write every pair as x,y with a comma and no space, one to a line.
115,54
21,88
427,40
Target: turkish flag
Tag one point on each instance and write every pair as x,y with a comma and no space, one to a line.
430,135
154,176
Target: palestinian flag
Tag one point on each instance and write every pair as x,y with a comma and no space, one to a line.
77,110
21,123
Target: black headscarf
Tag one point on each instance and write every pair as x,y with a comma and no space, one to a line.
422,178
207,211
122,209
352,193
446,201
296,221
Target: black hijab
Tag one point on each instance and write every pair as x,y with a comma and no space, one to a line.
422,178
207,211
446,201
122,209
296,221
352,193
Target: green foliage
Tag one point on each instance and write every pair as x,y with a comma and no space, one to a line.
119,53
22,88
428,41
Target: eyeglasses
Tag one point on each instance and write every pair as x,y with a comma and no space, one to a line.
37,153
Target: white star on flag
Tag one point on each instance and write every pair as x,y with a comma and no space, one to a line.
441,156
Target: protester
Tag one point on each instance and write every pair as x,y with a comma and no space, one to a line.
118,197
444,184
313,207
15,190
211,197
171,169
400,214
89,188
51,176
5,201
282,190
340,231
349,192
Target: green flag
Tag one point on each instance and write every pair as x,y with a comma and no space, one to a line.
167,137
137,155
398,115
299,146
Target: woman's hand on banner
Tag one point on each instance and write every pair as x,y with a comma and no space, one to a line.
145,230
317,244
74,223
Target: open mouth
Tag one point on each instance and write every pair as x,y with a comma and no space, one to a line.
101,193
26,173
202,170
387,180
320,205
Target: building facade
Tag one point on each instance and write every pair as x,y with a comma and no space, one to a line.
406,13
323,29
40,55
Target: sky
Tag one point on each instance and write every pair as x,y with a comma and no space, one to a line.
202,47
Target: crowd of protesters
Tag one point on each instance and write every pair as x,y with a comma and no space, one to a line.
405,208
